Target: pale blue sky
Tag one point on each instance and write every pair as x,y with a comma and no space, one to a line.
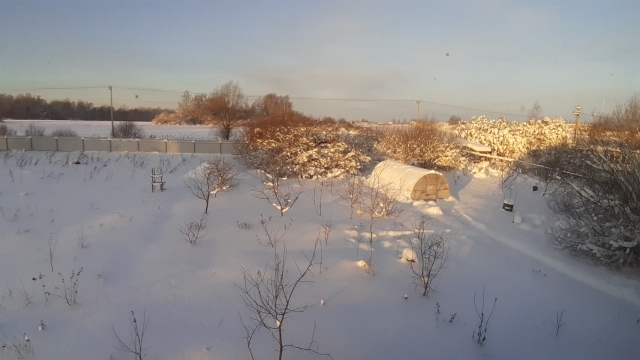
502,55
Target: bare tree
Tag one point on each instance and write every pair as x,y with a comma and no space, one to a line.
535,111
281,196
227,106
432,252
211,178
350,190
272,105
192,109
269,297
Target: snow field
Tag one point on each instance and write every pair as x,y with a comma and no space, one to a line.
136,259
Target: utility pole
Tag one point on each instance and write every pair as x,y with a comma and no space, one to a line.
418,110
113,131
576,112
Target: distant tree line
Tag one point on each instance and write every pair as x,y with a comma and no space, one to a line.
227,108
33,107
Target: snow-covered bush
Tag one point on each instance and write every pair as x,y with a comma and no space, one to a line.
167,118
424,144
599,202
513,139
304,148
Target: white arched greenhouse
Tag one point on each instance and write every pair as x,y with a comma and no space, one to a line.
410,182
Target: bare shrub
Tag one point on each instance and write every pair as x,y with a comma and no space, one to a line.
483,320
622,125
194,229
137,333
272,237
20,348
34,130
279,194
379,199
454,120
6,131
244,225
64,132
350,190
425,144
82,239
432,250
268,296
211,178
69,290
51,248
24,294
558,323
127,130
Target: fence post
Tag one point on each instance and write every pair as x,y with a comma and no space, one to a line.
57,149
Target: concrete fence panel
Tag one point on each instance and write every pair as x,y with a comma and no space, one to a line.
208,147
41,143
229,147
180,146
19,143
125,145
97,144
48,143
70,144
153,146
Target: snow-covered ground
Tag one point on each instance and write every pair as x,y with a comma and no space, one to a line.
136,260
103,128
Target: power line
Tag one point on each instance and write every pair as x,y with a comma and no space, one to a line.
56,88
302,98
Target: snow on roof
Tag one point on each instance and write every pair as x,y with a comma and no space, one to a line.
475,146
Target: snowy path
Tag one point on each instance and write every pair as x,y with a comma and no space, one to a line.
488,218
